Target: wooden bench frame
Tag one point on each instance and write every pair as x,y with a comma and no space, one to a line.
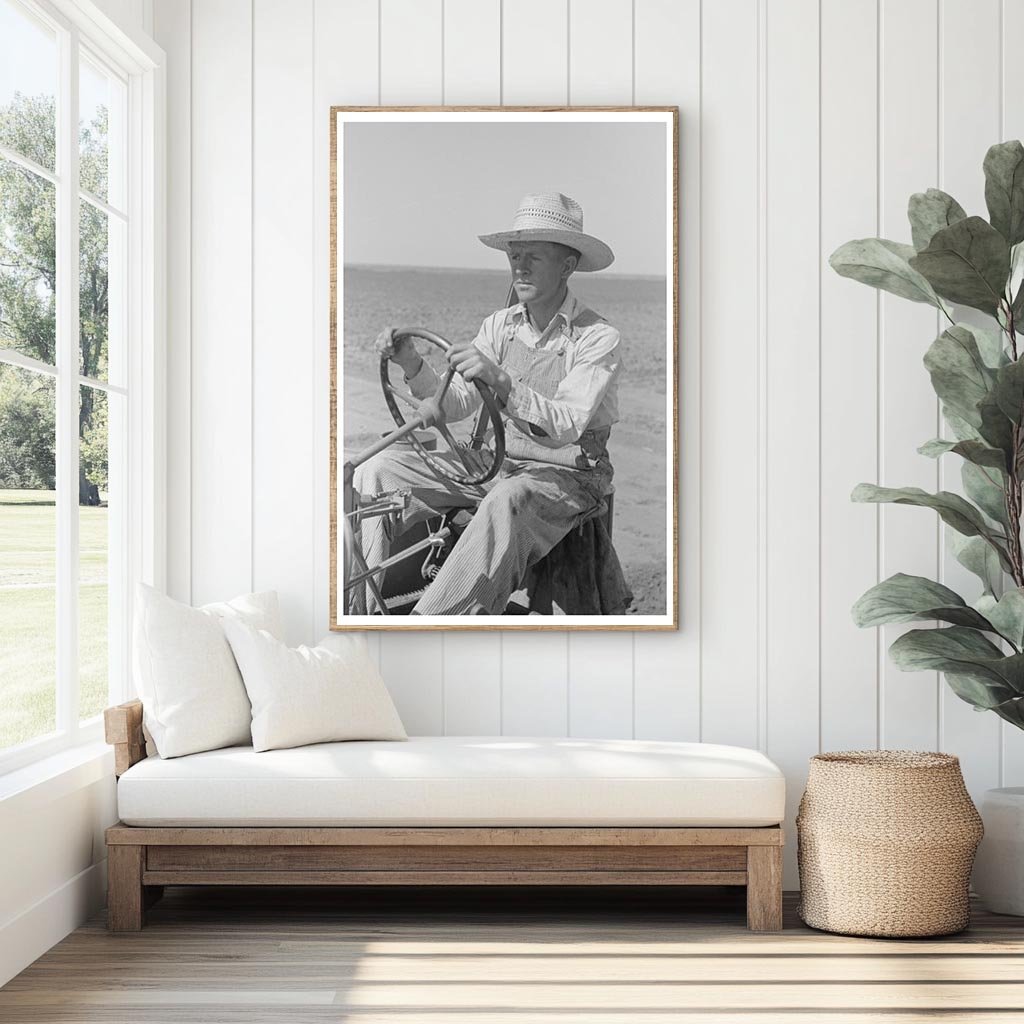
142,860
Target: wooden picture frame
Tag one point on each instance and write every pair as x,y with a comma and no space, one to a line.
367,238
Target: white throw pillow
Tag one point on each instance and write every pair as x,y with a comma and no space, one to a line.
309,694
192,693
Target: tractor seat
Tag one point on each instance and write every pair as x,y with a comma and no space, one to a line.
581,574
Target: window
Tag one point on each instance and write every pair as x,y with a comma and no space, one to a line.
78,258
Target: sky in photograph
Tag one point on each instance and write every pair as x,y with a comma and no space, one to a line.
418,194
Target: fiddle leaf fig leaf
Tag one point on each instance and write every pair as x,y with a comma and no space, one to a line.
1006,614
990,345
883,264
962,430
996,428
1011,710
952,509
962,651
920,650
929,212
967,263
903,598
1009,390
959,374
973,451
1004,189
1017,309
976,555
1013,285
984,486
980,692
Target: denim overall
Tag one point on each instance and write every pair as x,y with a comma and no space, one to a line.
542,369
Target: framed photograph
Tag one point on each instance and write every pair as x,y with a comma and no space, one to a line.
504,403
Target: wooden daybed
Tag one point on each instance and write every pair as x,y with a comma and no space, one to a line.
143,858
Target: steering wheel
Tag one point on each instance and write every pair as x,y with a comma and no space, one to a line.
479,463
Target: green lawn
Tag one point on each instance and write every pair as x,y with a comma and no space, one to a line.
28,524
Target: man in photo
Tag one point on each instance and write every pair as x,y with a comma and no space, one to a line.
554,366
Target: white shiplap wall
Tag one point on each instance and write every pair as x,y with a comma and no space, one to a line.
803,123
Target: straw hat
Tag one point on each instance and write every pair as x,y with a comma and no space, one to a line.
552,217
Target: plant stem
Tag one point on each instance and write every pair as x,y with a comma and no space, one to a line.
1013,509
1012,498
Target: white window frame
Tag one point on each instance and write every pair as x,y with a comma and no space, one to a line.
141,64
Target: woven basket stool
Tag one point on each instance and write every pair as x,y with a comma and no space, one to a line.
885,843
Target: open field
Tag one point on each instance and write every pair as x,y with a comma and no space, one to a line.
28,614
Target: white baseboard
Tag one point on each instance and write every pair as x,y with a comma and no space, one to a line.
28,936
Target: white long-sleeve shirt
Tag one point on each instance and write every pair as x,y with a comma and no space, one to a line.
586,398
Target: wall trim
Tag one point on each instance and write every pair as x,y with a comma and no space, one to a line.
28,935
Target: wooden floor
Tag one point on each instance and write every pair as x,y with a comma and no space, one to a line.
272,955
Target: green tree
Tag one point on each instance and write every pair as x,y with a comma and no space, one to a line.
26,430
28,273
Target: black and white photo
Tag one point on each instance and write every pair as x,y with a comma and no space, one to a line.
503,359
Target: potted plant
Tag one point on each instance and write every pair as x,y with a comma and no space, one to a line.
978,374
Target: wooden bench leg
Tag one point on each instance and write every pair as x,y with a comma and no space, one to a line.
764,888
125,897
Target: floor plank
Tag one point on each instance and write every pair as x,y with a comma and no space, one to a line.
497,956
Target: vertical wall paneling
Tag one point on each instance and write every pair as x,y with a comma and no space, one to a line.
344,53
666,666
410,52
1012,127
283,340
601,684
173,30
601,667
534,56
472,74
411,73
849,369
534,692
600,52
968,125
472,684
413,666
909,414
729,359
346,49
796,136
792,416
535,70
472,52
221,370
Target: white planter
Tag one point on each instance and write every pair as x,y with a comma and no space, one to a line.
999,866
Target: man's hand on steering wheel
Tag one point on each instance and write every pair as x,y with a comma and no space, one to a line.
482,457
474,365
401,352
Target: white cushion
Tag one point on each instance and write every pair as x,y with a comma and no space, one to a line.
457,780
309,694
191,691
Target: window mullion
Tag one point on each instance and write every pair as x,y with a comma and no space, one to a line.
67,386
